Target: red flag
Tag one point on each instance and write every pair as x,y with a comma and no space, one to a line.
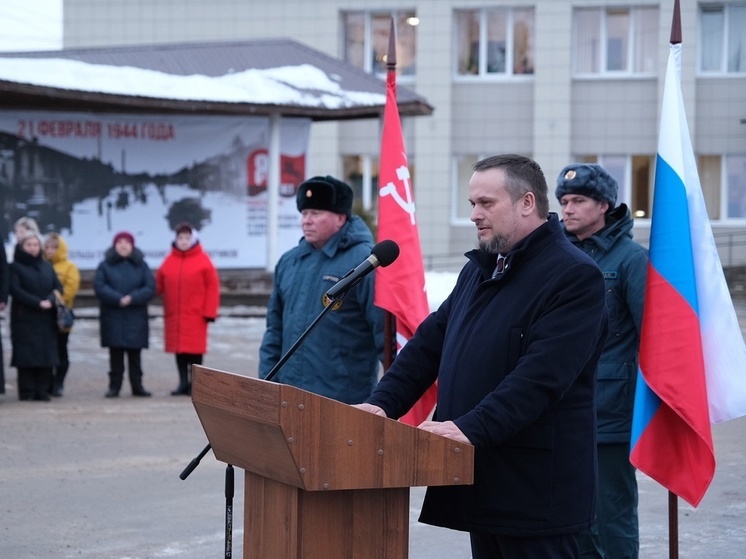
400,287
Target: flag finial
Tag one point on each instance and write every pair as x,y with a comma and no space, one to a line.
676,24
391,54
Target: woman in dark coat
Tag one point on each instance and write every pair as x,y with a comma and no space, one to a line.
4,278
33,326
124,285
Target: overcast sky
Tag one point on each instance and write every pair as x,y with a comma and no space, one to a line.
30,25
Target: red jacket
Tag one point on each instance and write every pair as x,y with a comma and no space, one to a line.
190,288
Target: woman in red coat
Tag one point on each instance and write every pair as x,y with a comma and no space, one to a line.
189,285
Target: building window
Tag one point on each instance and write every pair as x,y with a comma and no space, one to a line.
641,181
723,180
463,168
735,176
615,40
366,40
710,172
635,176
361,173
722,38
495,41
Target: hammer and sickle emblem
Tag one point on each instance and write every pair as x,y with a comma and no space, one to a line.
405,203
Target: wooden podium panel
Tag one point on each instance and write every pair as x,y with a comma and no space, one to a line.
286,522
323,479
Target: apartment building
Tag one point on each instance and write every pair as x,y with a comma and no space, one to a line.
556,80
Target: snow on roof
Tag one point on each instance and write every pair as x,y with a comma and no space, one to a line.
261,76
303,85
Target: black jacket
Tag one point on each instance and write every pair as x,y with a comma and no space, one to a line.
33,330
4,275
515,359
624,265
116,277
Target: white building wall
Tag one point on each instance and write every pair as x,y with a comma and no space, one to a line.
432,148
550,116
552,90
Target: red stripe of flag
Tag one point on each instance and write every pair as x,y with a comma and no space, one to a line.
675,448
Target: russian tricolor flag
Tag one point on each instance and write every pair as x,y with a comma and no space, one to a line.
692,354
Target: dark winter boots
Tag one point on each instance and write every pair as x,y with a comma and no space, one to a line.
184,388
135,375
136,383
58,380
115,383
184,362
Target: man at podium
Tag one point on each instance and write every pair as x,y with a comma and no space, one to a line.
514,350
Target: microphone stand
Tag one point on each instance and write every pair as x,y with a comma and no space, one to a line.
228,512
229,468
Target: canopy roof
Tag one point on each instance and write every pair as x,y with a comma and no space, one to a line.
257,77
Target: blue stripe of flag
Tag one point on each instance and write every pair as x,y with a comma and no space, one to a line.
670,239
647,403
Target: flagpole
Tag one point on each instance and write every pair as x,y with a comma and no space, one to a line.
673,500
389,339
389,324
676,24
673,525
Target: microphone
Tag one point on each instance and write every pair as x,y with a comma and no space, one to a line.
383,254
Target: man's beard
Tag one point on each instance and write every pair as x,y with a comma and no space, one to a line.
496,245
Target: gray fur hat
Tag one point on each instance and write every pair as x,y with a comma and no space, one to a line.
587,179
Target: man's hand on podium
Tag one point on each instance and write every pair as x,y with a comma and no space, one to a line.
370,408
444,429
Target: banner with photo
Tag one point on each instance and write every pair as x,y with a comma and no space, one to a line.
90,175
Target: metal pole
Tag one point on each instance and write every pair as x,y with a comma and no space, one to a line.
673,526
228,511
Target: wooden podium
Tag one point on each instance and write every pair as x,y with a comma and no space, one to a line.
322,479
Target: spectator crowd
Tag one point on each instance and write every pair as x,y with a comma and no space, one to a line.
39,283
